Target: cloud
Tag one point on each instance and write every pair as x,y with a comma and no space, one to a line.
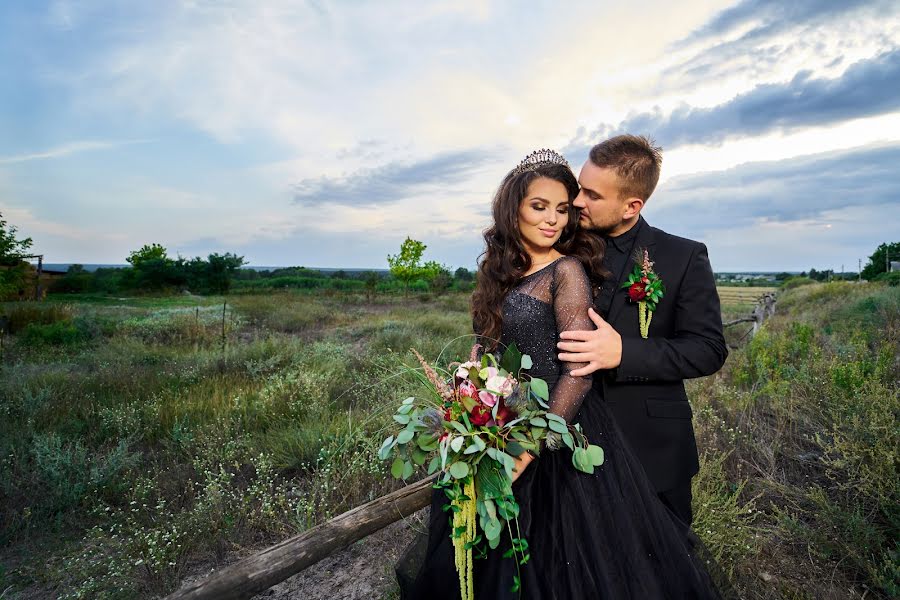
391,182
865,89
763,18
67,150
803,189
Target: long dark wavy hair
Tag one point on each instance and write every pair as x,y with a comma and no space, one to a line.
504,260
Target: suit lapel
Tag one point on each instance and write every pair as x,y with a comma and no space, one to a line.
644,239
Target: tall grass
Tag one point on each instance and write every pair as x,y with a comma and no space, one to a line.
155,446
804,419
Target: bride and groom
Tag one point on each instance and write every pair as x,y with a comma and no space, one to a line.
615,315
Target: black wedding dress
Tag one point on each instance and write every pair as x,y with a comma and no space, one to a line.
605,535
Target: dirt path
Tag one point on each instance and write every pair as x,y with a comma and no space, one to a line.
363,571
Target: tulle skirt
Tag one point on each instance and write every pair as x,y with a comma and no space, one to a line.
605,535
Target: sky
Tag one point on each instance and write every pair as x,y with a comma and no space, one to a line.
323,134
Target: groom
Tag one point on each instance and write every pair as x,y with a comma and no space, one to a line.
642,380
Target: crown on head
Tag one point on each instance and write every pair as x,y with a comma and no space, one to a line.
539,158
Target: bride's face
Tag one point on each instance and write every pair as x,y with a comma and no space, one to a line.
543,214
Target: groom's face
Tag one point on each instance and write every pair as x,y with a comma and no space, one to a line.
601,207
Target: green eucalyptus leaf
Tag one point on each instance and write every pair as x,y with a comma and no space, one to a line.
493,529
434,464
404,436
558,427
539,421
459,427
456,443
407,469
526,362
409,400
581,461
402,419
419,456
539,387
595,454
459,470
472,449
397,467
568,440
514,448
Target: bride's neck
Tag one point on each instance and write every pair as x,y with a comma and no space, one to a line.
540,257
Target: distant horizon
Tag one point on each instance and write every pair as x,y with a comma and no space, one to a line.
94,266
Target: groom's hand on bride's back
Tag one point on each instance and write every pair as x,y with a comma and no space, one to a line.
600,348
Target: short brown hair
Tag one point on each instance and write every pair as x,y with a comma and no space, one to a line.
635,159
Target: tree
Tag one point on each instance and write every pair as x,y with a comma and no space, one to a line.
439,278
406,266
146,254
152,269
463,274
12,279
218,271
878,261
371,279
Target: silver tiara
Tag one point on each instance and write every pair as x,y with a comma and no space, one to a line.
539,158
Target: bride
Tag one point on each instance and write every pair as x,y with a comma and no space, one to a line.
605,535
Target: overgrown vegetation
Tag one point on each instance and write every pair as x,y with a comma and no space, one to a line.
805,420
144,439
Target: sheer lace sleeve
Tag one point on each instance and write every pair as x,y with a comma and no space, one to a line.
571,290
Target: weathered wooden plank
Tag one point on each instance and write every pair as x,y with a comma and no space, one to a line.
261,571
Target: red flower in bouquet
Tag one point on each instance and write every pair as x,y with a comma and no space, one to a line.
480,415
504,414
637,291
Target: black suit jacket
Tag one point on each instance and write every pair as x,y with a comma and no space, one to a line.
646,392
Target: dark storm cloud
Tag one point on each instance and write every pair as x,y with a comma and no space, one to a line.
770,32
798,189
768,17
391,182
866,88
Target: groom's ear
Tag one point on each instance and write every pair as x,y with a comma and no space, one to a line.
633,207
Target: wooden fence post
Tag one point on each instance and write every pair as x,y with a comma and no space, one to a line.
259,572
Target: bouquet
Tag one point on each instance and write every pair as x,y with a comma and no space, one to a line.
478,419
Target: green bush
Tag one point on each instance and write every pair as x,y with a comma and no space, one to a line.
795,282
60,333
892,278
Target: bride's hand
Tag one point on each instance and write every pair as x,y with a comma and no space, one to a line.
522,461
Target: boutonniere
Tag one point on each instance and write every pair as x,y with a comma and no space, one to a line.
644,287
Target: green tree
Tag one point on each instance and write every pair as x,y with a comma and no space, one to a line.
12,278
406,266
877,263
149,252
463,274
371,279
221,270
439,278
11,247
152,269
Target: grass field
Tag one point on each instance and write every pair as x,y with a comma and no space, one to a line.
138,442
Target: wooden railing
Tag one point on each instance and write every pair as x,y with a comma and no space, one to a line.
259,572
764,309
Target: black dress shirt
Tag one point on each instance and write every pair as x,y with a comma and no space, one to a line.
618,250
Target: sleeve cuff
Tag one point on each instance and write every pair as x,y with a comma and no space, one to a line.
627,371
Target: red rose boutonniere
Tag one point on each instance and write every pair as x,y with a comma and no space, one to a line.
644,287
